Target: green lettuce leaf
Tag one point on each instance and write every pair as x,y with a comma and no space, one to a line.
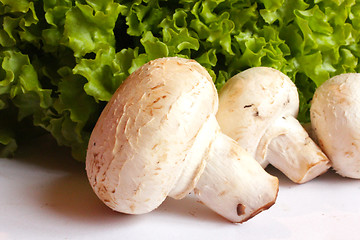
89,27
101,74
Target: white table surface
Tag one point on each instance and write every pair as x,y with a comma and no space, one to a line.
44,194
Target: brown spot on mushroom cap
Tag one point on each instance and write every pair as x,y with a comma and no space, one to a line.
222,193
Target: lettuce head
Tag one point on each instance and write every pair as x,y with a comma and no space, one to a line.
61,60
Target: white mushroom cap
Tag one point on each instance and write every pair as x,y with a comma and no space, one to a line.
335,118
250,102
155,138
258,108
137,149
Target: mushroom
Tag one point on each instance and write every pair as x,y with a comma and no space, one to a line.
258,109
335,118
158,137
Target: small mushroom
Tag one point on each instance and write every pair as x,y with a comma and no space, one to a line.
258,108
158,137
335,118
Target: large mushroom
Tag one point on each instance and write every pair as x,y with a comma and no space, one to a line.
335,118
258,108
158,137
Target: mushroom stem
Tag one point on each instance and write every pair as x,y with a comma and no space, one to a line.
233,183
292,151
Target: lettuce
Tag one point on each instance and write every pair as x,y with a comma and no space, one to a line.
61,60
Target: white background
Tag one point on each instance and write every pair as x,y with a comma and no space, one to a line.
44,194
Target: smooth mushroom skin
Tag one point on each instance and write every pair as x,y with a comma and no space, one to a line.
258,108
155,138
335,119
